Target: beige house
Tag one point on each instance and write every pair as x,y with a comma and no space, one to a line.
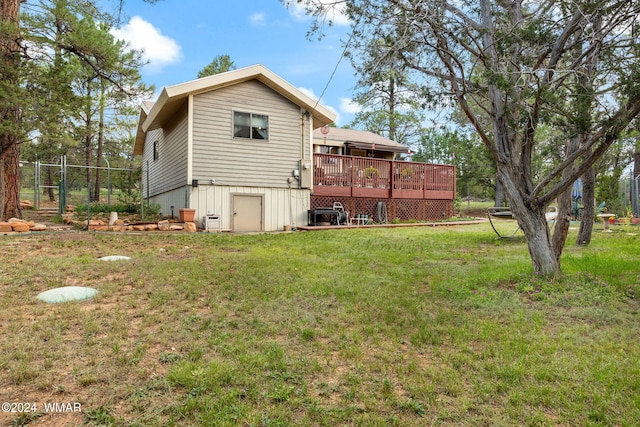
353,142
236,146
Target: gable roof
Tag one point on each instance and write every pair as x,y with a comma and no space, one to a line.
359,139
153,116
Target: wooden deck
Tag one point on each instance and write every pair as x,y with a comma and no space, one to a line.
362,177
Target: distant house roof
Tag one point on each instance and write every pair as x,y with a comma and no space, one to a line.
358,138
154,115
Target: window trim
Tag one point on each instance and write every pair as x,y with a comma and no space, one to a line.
251,114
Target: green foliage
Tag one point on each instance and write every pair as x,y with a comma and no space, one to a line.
371,172
104,208
219,64
475,171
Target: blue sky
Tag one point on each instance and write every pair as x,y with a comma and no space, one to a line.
180,37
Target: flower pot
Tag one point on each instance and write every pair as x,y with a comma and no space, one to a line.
187,215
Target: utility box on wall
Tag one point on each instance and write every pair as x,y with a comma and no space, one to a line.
212,222
306,174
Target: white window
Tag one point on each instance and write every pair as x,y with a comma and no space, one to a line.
250,126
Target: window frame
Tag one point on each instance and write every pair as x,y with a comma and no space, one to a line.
251,116
156,150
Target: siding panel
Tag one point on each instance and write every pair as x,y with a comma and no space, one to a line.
281,206
169,171
245,162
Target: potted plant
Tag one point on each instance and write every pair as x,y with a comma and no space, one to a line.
370,174
407,173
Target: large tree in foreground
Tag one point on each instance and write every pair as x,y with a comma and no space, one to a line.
10,112
18,50
511,66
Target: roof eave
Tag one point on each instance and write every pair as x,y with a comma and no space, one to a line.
172,96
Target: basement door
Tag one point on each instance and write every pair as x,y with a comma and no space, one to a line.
247,212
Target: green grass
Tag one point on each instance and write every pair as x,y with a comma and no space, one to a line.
406,326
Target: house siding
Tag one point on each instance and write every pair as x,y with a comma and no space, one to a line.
246,163
178,198
169,171
281,206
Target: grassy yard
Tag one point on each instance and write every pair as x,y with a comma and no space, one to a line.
364,327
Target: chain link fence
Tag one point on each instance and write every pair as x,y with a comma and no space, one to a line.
61,187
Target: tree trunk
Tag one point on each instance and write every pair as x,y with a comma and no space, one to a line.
588,213
49,184
533,222
499,193
536,230
10,181
98,177
96,192
9,110
563,221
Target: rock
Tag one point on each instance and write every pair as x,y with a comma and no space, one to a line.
5,227
176,227
190,227
113,217
38,227
150,227
118,222
67,218
164,225
139,227
20,227
26,204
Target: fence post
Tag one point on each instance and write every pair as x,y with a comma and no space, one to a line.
108,184
36,193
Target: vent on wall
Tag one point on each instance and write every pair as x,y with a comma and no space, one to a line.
212,222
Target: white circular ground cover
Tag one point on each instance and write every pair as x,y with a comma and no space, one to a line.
67,293
115,258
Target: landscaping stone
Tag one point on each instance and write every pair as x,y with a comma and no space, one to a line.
190,227
5,227
38,227
20,227
21,221
139,227
151,227
164,225
176,227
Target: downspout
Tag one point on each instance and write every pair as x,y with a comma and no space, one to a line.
302,115
189,186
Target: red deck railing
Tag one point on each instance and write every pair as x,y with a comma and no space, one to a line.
349,176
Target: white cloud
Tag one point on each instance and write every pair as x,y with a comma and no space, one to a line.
334,12
311,94
348,106
258,18
156,48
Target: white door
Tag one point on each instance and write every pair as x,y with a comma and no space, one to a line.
247,212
